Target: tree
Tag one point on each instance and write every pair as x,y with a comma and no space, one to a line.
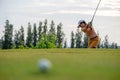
45,27
102,44
43,41
112,45
72,40
8,34
34,35
22,41
78,39
1,43
60,35
116,46
52,28
65,44
40,31
106,43
29,36
48,40
85,43
51,37
17,39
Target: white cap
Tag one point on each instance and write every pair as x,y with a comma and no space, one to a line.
81,21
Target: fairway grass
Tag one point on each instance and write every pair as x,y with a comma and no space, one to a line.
67,64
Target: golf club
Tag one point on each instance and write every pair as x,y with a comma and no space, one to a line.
90,23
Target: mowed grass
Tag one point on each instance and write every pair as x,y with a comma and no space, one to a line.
68,64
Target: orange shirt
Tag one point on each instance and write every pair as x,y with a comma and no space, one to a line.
89,31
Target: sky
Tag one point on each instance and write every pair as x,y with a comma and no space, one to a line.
69,12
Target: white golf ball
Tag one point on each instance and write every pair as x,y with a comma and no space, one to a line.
44,65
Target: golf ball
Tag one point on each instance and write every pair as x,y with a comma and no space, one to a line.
44,65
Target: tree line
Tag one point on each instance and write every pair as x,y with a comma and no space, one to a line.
38,37
44,36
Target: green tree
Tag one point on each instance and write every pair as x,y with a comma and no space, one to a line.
45,27
46,42
65,44
102,44
85,43
51,37
17,39
60,36
48,39
116,46
43,41
106,43
8,34
112,45
40,31
34,35
52,28
22,40
29,36
72,40
78,39
1,42
51,40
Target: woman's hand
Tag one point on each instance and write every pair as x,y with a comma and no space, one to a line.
89,24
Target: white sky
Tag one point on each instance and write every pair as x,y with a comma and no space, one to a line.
69,12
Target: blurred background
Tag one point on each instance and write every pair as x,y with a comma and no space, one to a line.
69,12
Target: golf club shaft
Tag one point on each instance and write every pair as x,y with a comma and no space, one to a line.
95,12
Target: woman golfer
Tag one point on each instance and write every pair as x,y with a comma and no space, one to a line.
93,39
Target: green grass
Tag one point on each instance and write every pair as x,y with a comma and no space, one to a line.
68,64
